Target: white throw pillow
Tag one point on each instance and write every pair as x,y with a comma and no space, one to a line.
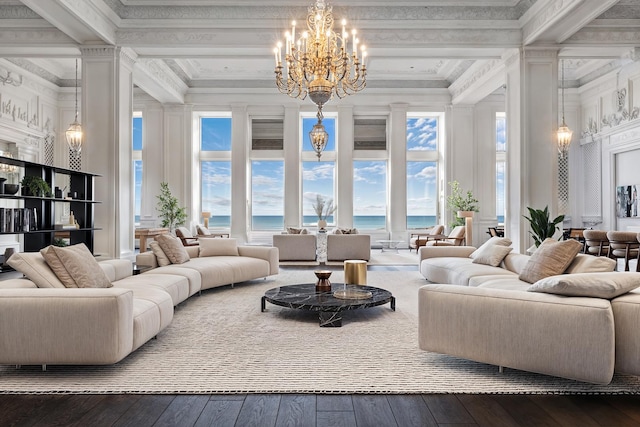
491,255
82,266
494,241
36,269
173,248
596,285
161,258
218,247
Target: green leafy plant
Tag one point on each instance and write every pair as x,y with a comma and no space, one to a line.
36,186
458,200
323,208
168,209
59,242
541,226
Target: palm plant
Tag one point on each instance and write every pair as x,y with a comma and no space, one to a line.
541,226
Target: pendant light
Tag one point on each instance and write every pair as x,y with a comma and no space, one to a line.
74,134
564,133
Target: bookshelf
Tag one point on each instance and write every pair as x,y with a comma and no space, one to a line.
40,230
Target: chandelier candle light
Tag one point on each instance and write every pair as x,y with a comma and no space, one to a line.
564,133
321,63
74,133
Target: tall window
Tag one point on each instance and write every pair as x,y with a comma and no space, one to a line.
318,177
501,154
370,194
137,165
267,195
423,140
215,169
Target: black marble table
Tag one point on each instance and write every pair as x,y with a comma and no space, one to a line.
329,308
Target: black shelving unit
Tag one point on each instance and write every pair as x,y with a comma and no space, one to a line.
44,232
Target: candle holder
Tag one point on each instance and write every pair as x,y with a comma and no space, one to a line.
323,284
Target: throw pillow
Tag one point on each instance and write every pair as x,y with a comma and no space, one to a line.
35,268
173,248
202,230
161,258
218,247
82,266
551,258
499,241
53,260
583,263
293,230
491,255
596,285
304,231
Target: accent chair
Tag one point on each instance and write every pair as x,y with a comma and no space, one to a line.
455,238
416,240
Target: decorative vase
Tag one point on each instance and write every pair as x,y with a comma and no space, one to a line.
11,189
323,284
322,224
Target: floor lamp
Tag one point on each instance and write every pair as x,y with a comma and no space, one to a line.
468,226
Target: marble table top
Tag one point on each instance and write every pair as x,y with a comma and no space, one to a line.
305,297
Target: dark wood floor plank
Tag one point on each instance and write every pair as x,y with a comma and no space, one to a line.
486,411
259,410
238,397
334,402
297,410
183,411
70,410
336,419
411,411
145,411
107,411
447,409
26,410
525,411
564,410
630,405
603,413
373,410
220,413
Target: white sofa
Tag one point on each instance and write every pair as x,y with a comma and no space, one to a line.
488,316
296,247
341,247
44,323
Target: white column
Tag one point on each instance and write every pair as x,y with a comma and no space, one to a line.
532,156
107,98
152,155
344,182
397,189
239,167
292,205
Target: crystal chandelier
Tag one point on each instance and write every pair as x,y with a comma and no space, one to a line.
74,133
563,132
320,63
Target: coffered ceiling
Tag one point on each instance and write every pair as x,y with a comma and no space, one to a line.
228,43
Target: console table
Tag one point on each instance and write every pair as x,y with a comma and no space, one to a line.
148,233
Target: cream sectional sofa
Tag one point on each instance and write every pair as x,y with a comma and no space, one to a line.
488,316
44,323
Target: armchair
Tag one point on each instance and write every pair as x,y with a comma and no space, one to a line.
416,240
186,237
455,238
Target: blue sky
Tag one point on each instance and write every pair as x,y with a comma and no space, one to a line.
501,145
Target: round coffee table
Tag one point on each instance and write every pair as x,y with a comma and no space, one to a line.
329,308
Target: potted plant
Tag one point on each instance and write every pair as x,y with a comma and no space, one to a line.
541,226
35,186
171,213
323,209
463,204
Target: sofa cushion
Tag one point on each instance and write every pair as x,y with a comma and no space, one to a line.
161,258
294,230
53,261
82,267
35,268
490,255
596,285
457,271
173,248
218,247
345,231
494,241
590,264
551,258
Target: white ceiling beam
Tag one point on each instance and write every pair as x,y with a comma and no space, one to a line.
480,80
156,79
554,21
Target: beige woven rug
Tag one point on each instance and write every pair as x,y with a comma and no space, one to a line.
221,342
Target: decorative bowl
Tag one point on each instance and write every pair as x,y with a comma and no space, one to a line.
11,188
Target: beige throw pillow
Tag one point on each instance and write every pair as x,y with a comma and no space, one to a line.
293,230
584,263
161,258
551,258
218,247
596,285
173,248
82,266
35,268
494,241
491,255
54,262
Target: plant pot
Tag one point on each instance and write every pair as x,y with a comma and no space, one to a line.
465,214
11,188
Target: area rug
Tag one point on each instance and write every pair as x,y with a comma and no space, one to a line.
221,342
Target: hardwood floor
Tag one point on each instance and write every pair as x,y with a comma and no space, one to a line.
308,410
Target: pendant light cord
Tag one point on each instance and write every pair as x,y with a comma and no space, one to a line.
76,89
562,92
